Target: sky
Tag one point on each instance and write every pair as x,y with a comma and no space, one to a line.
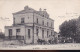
59,10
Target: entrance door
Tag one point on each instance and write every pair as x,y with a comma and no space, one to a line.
10,33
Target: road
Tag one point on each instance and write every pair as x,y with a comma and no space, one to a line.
66,46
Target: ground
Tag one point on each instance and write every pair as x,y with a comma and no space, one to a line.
66,46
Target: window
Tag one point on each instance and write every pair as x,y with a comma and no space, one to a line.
28,17
47,23
10,33
51,33
17,33
51,24
37,20
14,20
28,33
22,20
42,22
42,33
43,15
47,33
37,31
17,30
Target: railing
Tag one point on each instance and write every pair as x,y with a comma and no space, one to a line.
14,37
19,37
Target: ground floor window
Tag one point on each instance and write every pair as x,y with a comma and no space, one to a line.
28,33
42,33
10,33
18,34
47,33
37,31
51,33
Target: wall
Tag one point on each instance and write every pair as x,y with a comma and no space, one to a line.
29,40
22,31
28,18
40,19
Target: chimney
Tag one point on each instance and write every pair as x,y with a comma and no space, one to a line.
44,9
40,9
26,7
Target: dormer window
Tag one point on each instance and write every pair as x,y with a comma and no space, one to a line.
22,20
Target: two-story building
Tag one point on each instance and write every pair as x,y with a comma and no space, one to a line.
30,25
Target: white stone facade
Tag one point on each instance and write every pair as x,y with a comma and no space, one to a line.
31,25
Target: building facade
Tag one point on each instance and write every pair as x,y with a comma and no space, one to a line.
30,25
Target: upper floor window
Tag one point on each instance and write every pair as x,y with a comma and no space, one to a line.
28,17
47,23
14,20
37,20
22,20
17,30
51,24
51,33
43,22
43,15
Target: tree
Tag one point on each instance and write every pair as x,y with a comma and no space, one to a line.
77,36
68,29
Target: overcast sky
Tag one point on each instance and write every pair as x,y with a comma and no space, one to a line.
59,10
